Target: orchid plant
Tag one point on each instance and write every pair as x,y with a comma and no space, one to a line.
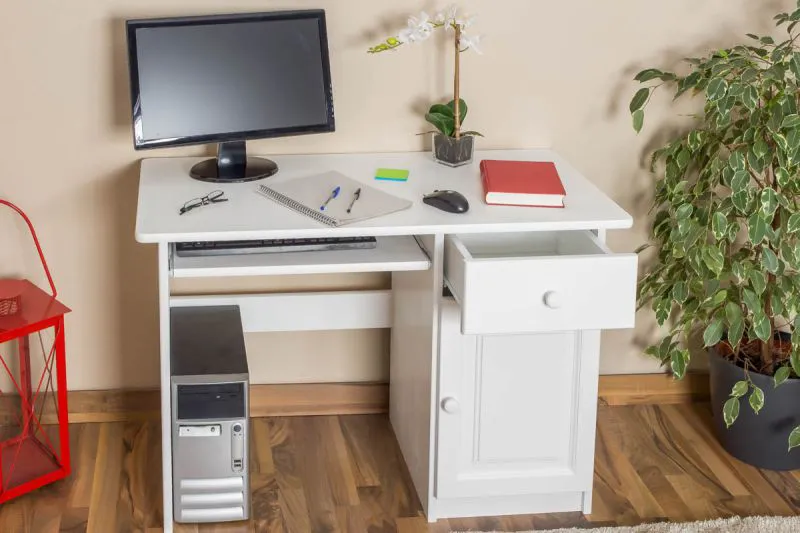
446,118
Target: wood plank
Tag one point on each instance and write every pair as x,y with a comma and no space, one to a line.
337,462
701,441
291,497
106,481
260,450
308,441
626,478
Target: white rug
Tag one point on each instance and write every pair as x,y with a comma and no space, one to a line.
755,524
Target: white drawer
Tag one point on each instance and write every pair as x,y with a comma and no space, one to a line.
543,281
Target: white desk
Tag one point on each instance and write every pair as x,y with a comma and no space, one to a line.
493,391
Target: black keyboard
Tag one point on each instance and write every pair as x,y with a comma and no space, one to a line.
265,246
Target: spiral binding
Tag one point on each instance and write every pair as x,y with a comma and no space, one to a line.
297,206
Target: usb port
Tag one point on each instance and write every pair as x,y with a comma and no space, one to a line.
237,463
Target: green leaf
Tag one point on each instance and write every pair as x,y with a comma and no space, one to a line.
695,140
740,181
756,399
719,223
441,122
767,40
678,362
716,89
719,297
713,259
730,411
740,201
735,89
761,325
794,360
755,162
713,333
638,120
739,389
795,65
793,139
758,280
442,110
793,225
769,201
472,132
750,98
680,292
757,228
733,231
769,261
760,148
684,211
648,74
782,176
462,108
752,301
733,312
683,158
736,161
794,438
735,332
782,375
791,121
740,269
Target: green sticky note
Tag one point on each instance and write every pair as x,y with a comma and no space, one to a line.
391,174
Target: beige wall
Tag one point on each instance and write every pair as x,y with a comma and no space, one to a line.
555,73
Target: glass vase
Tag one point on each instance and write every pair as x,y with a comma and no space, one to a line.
451,151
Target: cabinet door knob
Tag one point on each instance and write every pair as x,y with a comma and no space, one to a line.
450,405
553,300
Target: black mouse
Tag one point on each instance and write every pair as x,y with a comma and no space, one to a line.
450,201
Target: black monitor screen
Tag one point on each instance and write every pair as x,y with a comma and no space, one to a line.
229,78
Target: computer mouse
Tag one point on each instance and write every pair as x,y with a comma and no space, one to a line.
450,201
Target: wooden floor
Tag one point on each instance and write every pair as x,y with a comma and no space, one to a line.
345,474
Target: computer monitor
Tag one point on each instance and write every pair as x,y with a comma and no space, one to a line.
227,79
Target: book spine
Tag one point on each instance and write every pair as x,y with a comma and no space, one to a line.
485,180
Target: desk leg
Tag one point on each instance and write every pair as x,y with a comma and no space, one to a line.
413,366
166,414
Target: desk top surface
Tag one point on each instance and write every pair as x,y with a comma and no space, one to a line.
165,186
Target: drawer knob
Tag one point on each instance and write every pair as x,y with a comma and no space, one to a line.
450,405
553,300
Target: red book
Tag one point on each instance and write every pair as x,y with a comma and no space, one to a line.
525,183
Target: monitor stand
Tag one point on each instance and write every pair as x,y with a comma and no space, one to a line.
233,166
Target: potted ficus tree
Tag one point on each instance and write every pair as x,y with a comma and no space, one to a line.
727,229
452,145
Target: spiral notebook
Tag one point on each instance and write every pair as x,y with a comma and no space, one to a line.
306,196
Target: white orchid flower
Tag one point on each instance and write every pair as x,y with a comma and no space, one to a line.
419,29
471,42
448,17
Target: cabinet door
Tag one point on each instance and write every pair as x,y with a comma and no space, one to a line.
516,412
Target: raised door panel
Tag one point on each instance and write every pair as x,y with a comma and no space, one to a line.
509,413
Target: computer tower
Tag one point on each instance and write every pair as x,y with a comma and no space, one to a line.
210,435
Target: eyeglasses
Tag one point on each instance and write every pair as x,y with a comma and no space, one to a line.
214,197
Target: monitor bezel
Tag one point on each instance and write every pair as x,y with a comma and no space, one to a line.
132,26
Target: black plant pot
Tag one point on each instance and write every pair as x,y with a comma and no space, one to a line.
451,151
760,440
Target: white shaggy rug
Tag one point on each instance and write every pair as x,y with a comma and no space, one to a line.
755,524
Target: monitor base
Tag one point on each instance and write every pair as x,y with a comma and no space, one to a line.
233,166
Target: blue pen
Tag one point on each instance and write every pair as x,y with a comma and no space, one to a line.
333,195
